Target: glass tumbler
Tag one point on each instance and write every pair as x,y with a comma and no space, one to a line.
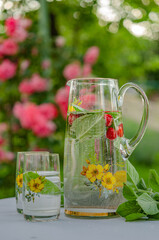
19,181
41,187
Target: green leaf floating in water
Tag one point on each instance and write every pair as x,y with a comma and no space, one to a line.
49,187
89,125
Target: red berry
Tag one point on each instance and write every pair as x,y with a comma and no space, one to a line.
109,119
120,131
111,133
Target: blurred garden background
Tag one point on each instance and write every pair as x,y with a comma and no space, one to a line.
45,43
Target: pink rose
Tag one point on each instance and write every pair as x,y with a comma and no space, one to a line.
44,128
7,70
48,110
91,55
6,156
38,83
87,69
20,35
88,101
24,64
2,140
46,64
11,26
3,127
60,41
18,109
26,87
9,156
25,22
72,70
61,99
9,47
15,30
30,116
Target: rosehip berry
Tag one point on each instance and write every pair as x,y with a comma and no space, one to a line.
71,118
108,119
111,133
120,131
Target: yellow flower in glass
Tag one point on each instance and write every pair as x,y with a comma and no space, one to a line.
106,168
94,172
108,180
19,180
120,177
36,185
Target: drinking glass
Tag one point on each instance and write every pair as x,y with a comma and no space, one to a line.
41,187
19,181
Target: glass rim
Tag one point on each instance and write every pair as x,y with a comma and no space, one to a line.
36,152
93,79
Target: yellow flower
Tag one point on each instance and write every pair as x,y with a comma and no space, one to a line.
84,171
71,109
106,167
19,180
87,161
108,180
94,172
120,177
36,185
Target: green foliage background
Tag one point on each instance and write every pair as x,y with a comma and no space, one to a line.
122,56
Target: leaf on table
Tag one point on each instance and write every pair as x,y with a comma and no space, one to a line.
132,173
89,125
129,193
154,180
127,208
155,196
141,184
148,204
154,217
135,216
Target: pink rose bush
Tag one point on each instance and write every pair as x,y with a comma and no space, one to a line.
35,84
7,70
91,55
8,47
16,28
61,99
36,117
77,70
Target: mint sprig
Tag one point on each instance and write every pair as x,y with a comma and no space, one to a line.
142,201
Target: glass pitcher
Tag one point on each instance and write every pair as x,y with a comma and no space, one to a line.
95,146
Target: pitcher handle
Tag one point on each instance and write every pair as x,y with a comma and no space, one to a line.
128,145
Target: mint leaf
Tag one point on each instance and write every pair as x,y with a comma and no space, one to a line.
50,188
141,184
135,216
29,175
148,204
127,208
78,108
132,173
129,193
154,180
89,125
155,196
154,217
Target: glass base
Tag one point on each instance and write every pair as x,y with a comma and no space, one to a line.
41,218
90,213
19,210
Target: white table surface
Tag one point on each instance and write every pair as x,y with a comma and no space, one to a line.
14,227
